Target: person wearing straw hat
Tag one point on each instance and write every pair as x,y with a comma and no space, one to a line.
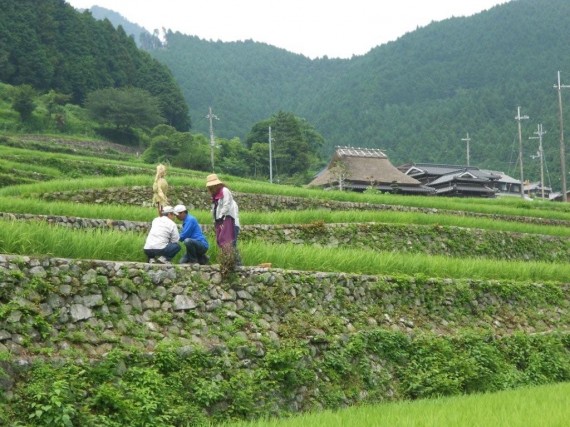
226,215
162,240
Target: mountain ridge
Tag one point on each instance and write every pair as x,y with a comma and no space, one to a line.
414,97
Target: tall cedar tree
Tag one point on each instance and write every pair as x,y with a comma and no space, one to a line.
295,143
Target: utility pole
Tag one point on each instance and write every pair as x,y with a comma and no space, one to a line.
562,151
211,116
539,132
467,140
270,158
518,118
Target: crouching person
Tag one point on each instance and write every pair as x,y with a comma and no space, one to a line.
192,237
162,241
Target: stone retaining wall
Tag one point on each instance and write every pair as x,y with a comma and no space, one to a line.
94,306
82,311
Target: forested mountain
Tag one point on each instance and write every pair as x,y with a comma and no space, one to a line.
244,82
416,97
49,45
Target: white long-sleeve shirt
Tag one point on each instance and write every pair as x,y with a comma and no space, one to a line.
162,232
227,206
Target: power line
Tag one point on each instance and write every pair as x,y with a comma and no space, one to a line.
512,164
548,175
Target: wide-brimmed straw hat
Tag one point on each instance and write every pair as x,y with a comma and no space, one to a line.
212,180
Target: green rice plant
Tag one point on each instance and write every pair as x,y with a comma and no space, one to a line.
42,239
38,239
86,183
66,144
497,206
71,209
525,407
25,155
349,260
75,165
30,190
24,167
391,217
133,213
181,177
501,205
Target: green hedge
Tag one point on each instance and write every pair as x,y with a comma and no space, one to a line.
191,386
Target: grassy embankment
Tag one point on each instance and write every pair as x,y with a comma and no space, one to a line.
526,407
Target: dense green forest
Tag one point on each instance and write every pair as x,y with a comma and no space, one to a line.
416,97
49,45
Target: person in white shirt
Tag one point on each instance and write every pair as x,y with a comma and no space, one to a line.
162,240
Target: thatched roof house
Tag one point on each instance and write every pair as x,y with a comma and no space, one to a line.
357,169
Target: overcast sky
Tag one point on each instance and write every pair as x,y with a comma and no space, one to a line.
314,28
